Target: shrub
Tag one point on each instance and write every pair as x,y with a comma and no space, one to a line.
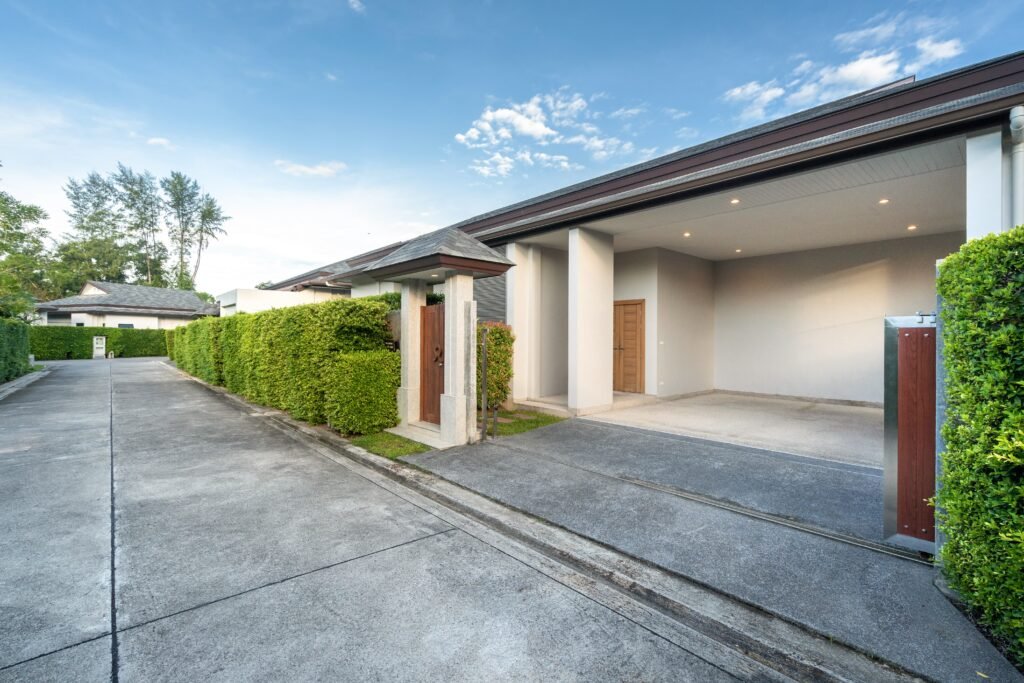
499,363
285,357
394,299
361,393
61,343
982,486
14,349
169,341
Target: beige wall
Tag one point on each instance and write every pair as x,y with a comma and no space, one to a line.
636,277
551,372
686,320
811,323
256,300
372,288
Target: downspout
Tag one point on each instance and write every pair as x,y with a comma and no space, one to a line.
1017,165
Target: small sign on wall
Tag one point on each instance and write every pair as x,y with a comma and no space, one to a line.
99,347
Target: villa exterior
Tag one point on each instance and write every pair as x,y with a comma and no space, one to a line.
112,304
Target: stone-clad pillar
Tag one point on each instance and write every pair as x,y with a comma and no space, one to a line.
458,402
414,296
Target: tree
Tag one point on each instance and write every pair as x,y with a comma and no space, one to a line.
140,203
182,205
208,228
95,210
98,247
76,261
23,258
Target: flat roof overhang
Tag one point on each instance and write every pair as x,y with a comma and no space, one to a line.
436,266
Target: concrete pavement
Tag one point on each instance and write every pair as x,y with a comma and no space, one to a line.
243,554
596,480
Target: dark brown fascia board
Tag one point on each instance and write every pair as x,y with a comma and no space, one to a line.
359,259
885,104
438,261
872,139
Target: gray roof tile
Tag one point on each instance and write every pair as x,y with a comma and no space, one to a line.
137,298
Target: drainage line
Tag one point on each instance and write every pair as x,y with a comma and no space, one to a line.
113,565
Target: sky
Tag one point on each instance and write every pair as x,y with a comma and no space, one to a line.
326,128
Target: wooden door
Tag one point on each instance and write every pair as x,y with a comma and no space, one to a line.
628,361
431,362
915,438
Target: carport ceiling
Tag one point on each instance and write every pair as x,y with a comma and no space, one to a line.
831,206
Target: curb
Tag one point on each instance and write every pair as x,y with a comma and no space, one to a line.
787,647
8,388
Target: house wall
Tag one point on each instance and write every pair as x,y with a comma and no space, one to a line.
374,288
686,324
550,374
811,323
636,277
256,300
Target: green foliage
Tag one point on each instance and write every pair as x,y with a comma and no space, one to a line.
62,343
22,257
288,357
13,349
169,341
394,299
499,363
982,489
361,393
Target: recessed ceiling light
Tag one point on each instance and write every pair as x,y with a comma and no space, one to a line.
739,251
686,234
434,275
883,200
911,227
734,200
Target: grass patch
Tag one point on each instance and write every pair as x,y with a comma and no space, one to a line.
389,445
519,421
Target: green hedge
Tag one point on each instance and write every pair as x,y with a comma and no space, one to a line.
981,497
14,349
394,299
287,358
360,398
169,341
499,363
61,343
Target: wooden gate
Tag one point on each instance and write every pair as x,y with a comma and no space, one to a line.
431,362
628,360
916,432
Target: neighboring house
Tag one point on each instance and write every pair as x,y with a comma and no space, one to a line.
110,304
256,300
762,262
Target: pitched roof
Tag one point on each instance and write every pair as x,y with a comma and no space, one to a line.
443,242
117,297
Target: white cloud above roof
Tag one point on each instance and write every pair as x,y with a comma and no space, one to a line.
325,169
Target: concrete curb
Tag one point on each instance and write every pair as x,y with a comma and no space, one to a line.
791,649
8,388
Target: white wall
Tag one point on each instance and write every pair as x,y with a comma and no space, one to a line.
372,288
811,323
550,374
591,313
686,324
636,277
256,300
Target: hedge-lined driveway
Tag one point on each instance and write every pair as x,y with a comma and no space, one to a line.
242,554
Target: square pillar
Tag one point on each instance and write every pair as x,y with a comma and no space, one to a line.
414,296
988,184
458,402
591,320
521,287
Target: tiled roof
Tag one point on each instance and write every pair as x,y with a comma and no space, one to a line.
447,242
124,298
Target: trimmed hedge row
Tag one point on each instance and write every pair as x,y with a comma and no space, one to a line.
499,363
319,362
14,349
62,343
981,497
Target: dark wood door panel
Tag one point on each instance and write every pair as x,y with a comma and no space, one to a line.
916,432
431,362
628,348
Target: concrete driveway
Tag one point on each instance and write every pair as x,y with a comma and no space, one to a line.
150,530
794,536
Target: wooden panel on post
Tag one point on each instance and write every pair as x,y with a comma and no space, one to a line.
431,362
916,435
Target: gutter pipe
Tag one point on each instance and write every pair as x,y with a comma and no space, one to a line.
1017,165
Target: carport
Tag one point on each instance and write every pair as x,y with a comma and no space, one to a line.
753,314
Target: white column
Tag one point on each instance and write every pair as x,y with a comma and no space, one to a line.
520,285
414,295
458,402
591,311
988,188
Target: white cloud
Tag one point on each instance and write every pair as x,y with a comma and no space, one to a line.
627,113
497,164
869,70
676,114
686,132
803,67
160,142
880,32
329,76
931,51
357,6
325,169
755,98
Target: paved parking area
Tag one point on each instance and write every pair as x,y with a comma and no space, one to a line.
239,553
628,488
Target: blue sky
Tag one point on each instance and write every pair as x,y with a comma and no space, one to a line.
329,127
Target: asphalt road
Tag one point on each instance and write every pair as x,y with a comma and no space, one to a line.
240,553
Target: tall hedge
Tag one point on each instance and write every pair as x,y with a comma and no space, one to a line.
981,497
62,343
499,363
14,349
288,358
169,341
360,393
